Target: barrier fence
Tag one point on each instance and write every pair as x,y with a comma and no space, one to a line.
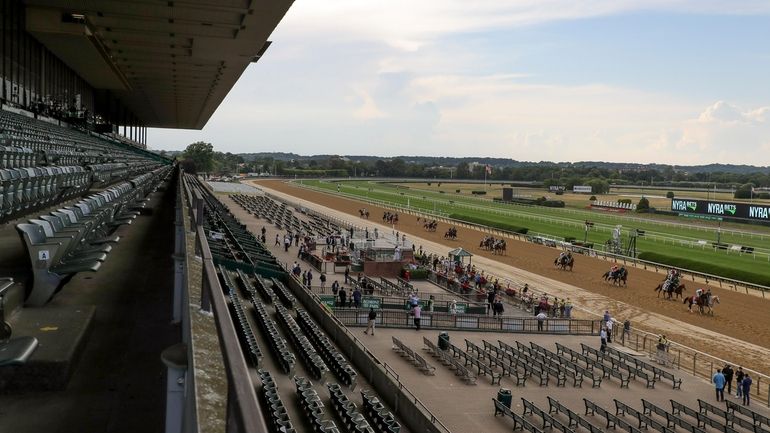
470,322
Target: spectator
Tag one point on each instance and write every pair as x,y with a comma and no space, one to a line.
746,389
430,303
728,373
335,287
347,273
568,308
309,278
607,316
603,337
626,329
719,385
738,382
323,282
609,325
277,240
541,316
357,297
417,311
372,320
490,300
342,295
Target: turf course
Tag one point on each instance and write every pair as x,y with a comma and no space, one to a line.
674,240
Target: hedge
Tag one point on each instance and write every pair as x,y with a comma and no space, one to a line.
706,268
488,222
476,192
416,274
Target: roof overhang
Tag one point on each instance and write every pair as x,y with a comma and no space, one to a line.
170,62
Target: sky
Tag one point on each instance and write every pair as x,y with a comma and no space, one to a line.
676,81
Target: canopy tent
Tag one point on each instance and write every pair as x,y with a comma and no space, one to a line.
458,255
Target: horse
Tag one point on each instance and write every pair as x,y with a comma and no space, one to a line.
451,233
564,262
618,277
678,290
499,247
702,303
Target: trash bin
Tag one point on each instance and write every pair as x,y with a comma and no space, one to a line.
443,340
504,396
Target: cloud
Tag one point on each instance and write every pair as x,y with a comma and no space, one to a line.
409,25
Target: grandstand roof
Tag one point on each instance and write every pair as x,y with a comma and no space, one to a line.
171,62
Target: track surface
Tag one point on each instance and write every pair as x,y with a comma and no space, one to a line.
739,319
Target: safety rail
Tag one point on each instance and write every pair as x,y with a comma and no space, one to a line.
244,413
473,322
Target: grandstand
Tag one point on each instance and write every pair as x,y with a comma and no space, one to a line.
133,298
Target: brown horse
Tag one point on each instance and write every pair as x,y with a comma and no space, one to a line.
679,290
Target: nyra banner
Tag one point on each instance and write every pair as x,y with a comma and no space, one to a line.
721,209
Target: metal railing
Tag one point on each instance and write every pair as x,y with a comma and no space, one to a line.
244,413
470,322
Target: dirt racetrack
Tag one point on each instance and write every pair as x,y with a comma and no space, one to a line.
740,316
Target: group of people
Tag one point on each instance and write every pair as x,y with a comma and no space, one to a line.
558,308
723,378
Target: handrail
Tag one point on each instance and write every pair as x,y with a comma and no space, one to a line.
244,411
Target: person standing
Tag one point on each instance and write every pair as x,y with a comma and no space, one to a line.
541,317
342,295
347,273
417,311
746,389
322,278
603,337
609,331
738,381
728,373
719,385
357,297
309,278
335,288
372,320
626,329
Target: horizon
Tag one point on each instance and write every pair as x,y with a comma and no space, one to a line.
617,81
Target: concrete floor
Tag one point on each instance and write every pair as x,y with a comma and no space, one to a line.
118,385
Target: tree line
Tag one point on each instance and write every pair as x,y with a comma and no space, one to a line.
202,158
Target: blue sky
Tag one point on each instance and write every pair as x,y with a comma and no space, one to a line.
625,80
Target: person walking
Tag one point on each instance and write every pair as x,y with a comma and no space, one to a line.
417,311
277,240
626,330
335,287
372,320
746,389
309,278
738,381
719,385
609,330
728,373
357,297
347,273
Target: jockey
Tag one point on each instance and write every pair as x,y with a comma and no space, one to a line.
698,292
614,271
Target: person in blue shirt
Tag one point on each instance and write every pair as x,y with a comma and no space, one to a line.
719,384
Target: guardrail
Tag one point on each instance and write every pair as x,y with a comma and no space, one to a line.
470,322
244,413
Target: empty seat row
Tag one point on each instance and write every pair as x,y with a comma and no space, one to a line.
17,157
380,418
278,417
280,349
333,358
245,334
282,292
345,409
77,238
313,407
314,363
23,190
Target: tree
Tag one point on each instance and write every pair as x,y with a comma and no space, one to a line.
744,191
643,204
200,157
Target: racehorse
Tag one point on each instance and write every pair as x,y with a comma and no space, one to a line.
702,302
564,262
668,294
451,233
430,226
499,247
621,276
